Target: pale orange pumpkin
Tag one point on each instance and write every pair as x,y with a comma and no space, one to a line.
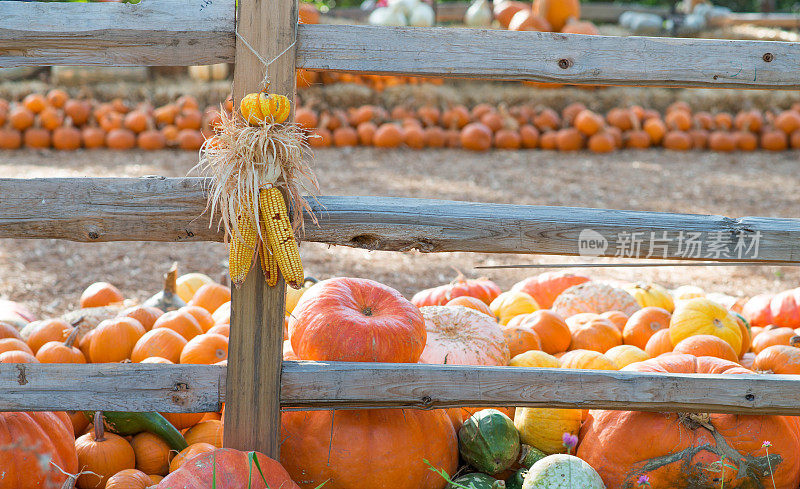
593,332
659,343
704,345
100,294
594,297
520,339
643,324
617,318
462,336
129,479
152,453
146,315
587,359
203,317
624,355
188,453
558,12
211,296
553,332
772,336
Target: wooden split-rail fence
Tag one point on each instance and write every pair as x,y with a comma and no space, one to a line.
256,384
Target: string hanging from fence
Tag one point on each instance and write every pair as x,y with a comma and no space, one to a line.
265,82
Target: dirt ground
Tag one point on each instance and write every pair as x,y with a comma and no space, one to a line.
49,275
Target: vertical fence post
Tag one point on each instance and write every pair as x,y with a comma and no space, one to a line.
252,409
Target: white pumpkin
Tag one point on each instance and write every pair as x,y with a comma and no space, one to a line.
562,471
388,16
479,14
422,15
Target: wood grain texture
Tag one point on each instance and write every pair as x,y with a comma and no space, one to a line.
549,57
154,32
111,387
328,385
361,385
255,351
171,209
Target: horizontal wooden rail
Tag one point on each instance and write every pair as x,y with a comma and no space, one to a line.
172,209
111,387
550,57
328,385
153,32
178,32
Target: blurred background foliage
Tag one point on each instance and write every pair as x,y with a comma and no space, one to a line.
735,5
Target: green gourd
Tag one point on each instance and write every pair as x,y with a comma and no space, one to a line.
476,480
488,441
529,455
124,424
517,479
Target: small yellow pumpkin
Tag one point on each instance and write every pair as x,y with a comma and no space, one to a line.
535,359
651,295
624,355
187,284
702,316
512,303
259,107
293,295
544,428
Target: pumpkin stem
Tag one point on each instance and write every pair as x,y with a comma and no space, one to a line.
72,337
171,279
794,341
99,427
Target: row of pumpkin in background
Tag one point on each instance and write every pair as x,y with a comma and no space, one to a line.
473,322
575,128
57,121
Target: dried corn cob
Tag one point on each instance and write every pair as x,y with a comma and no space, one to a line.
269,265
280,235
242,248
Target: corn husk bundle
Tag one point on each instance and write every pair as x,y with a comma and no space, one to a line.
252,167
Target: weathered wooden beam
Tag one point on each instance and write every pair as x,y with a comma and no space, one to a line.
252,410
360,385
172,209
329,385
162,32
111,387
550,57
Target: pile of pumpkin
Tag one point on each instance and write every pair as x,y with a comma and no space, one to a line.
543,15
575,128
55,120
551,320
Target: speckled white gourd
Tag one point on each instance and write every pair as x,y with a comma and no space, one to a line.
562,471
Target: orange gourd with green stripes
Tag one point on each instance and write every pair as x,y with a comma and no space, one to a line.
257,108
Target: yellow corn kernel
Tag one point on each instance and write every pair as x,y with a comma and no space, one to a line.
280,235
242,248
269,265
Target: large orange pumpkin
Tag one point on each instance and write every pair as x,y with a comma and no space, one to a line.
481,288
594,297
356,320
703,316
659,343
643,324
231,469
521,339
593,332
368,448
785,308
51,434
680,450
545,287
462,336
